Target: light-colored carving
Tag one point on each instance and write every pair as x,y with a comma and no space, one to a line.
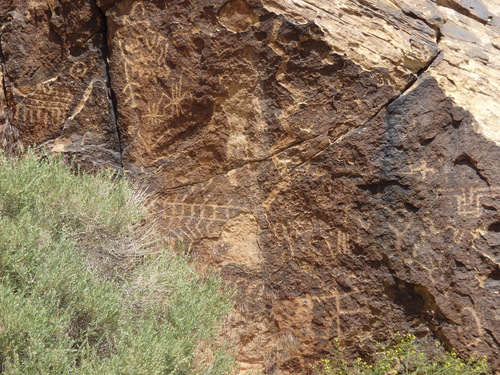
78,70
477,322
342,159
176,97
131,89
342,242
144,55
422,169
157,112
431,229
468,200
337,295
195,221
400,233
45,104
81,104
434,264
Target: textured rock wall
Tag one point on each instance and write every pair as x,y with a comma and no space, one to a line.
55,78
337,160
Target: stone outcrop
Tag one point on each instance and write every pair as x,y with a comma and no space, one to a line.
55,79
337,160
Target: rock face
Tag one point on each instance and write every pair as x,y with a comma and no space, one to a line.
55,80
337,160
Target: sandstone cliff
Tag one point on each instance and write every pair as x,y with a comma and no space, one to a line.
338,160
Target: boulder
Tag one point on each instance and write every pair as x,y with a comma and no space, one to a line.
337,161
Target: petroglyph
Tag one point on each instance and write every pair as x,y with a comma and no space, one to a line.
469,313
343,246
432,262
495,259
78,70
144,57
432,230
468,201
195,221
157,112
400,235
83,100
131,90
422,170
343,305
343,159
176,97
47,104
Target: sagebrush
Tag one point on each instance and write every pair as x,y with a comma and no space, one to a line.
87,288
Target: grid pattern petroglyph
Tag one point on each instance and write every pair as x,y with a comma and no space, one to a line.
345,303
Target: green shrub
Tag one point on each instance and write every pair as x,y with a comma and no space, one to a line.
86,287
404,356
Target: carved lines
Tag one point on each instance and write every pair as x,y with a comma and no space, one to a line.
176,97
144,55
195,221
341,299
45,105
78,70
400,235
431,266
343,246
157,112
477,322
422,169
468,201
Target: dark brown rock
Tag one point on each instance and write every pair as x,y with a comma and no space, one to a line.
55,78
337,160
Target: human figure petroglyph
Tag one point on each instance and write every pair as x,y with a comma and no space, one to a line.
400,233
422,169
144,56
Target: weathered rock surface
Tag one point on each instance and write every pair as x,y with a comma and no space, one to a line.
337,160
55,78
